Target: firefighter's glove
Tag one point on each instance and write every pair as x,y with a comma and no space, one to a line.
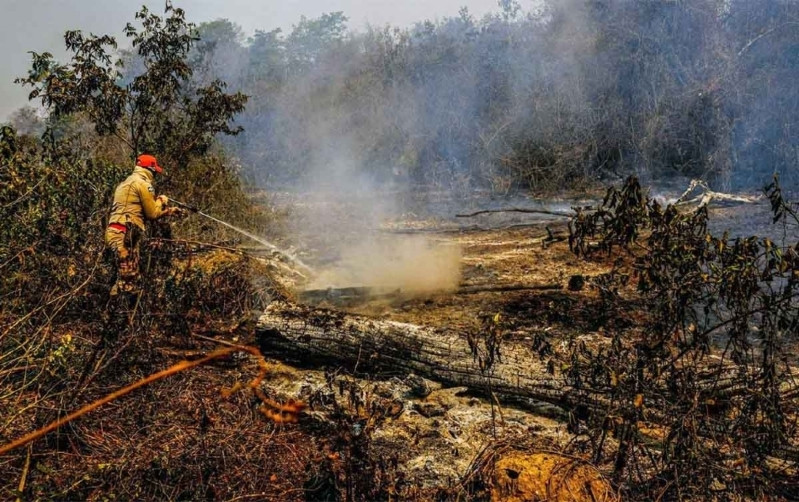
175,212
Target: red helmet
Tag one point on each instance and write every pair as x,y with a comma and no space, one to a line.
149,162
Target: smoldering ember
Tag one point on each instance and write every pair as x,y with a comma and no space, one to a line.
550,252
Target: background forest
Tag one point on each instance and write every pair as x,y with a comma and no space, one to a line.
520,99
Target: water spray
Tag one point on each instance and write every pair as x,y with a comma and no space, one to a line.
241,231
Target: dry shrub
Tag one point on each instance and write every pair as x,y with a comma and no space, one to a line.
212,286
63,344
710,364
186,439
183,442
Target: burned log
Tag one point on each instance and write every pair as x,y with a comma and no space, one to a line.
316,337
343,295
545,212
310,336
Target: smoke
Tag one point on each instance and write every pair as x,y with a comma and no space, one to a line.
411,264
360,119
515,97
454,104
339,215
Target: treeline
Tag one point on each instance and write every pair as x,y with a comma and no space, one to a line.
576,89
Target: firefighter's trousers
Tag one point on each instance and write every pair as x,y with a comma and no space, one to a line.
124,241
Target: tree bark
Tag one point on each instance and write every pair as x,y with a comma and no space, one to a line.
314,337
310,336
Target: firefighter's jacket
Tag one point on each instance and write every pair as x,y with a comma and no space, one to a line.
134,200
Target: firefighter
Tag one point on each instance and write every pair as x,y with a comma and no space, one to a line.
134,202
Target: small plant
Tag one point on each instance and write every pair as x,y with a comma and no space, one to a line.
486,348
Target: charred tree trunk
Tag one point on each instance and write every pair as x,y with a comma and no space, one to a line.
315,337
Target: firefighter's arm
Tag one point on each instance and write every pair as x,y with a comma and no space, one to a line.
153,207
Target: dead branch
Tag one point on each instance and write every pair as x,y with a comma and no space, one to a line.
707,196
498,288
461,230
172,370
516,210
24,478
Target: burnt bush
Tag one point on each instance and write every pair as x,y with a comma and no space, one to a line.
63,341
701,398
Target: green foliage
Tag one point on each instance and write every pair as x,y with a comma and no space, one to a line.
310,38
88,85
156,111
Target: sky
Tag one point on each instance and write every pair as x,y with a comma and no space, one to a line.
39,25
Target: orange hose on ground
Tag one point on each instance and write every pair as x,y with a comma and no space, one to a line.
177,368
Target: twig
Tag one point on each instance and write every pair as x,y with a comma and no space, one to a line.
25,470
217,340
761,35
461,230
25,195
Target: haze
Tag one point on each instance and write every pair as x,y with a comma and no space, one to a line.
39,25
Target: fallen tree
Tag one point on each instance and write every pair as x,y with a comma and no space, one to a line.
363,293
320,337
706,196
310,336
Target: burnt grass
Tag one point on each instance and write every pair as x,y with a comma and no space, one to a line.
573,313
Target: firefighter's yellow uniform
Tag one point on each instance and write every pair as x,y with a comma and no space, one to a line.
134,202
